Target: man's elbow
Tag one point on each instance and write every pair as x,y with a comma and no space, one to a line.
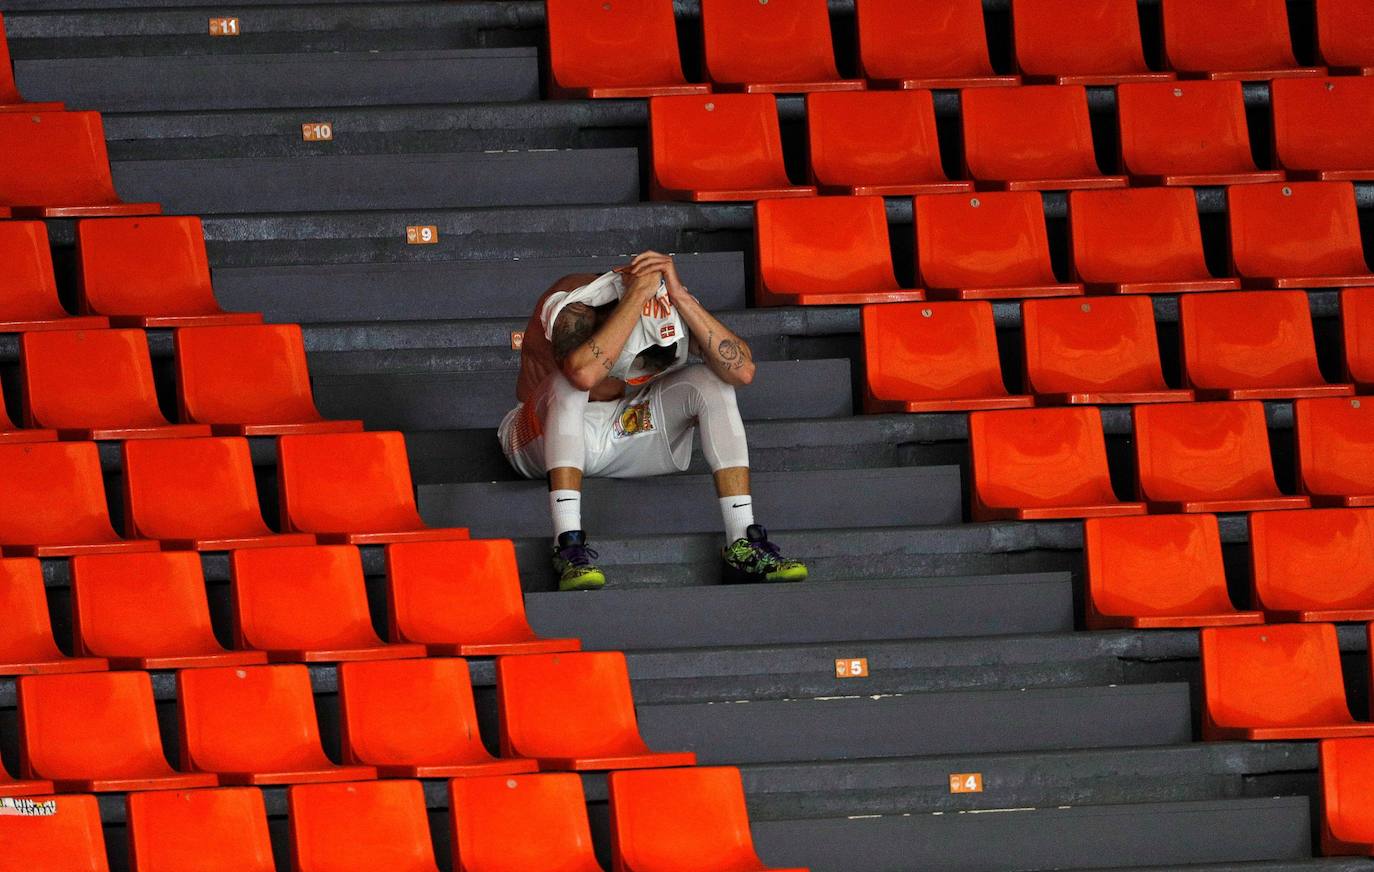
744,375
582,378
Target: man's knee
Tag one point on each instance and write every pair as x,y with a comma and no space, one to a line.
711,388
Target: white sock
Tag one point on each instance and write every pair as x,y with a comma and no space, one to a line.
566,508
738,514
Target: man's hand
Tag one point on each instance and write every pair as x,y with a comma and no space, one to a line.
651,262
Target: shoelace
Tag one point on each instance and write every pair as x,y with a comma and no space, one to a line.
767,551
579,555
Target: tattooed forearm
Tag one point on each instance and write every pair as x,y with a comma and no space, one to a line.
734,354
600,355
575,325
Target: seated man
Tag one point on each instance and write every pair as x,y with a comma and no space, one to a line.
606,389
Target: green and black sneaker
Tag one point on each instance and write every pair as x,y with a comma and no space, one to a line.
572,560
754,559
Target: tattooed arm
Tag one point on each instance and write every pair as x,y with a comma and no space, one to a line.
726,354
586,350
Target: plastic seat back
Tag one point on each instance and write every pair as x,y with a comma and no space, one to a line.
69,840
747,42
207,830
603,49
874,139
187,489
1345,34
252,374
1031,133
1346,767
1203,451
89,379
1357,334
28,290
55,494
360,825
1295,229
718,146
1136,235
1210,36
1278,675
345,482
1038,458
929,41
1313,560
1335,440
917,352
9,92
26,633
985,240
55,160
521,822
823,246
567,705
1248,339
1324,128
408,713
1184,129
324,607
1079,43
1101,345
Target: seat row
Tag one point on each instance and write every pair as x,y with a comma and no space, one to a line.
151,610
837,250
631,49
1241,345
662,820
1040,464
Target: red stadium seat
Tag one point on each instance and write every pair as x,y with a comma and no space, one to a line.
925,44
255,725
718,147
1276,682
28,290
574,711
320,617
10,98
1042,464
196,494
1346,766
10,434
1335,438
669,819
54,503
1357,334
1345,36
149,272
207,830
1230,39
985,246
373,825
1139,241
1297,235
249,381
933,357
95,733
876,142
521,822
782,48
1080,44
56,166
1158,571
1187,133
69,840
351,488
600,49
415,719
825,251
1207,457
462,599
1313,564
11,787
1035,138
1096,352
147,611
94,384
1324,128
26,641
1252,345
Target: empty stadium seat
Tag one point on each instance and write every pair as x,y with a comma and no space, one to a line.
54,503
351,488
1207,457
1313,564
1099,352
1080,44
600,49
718,147
1230,39
371,825
11,787
56,166
925,44
249,381
1139,241
26,641
876,142
415,719
1324,128
147,611
1297,235
1357,335
825,251
1187,133
94,384
574,711
1040,464
985,246
196,494
255,725
1334,442
70,840
96,732
1275,682
778,48
10,98
1157,571
933,357
321,616
461,599
28,290
1345,36
149,272
208,830
521,822
1251,345
1346,767
1034,138
669,819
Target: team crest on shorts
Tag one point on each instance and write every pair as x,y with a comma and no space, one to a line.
637,418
